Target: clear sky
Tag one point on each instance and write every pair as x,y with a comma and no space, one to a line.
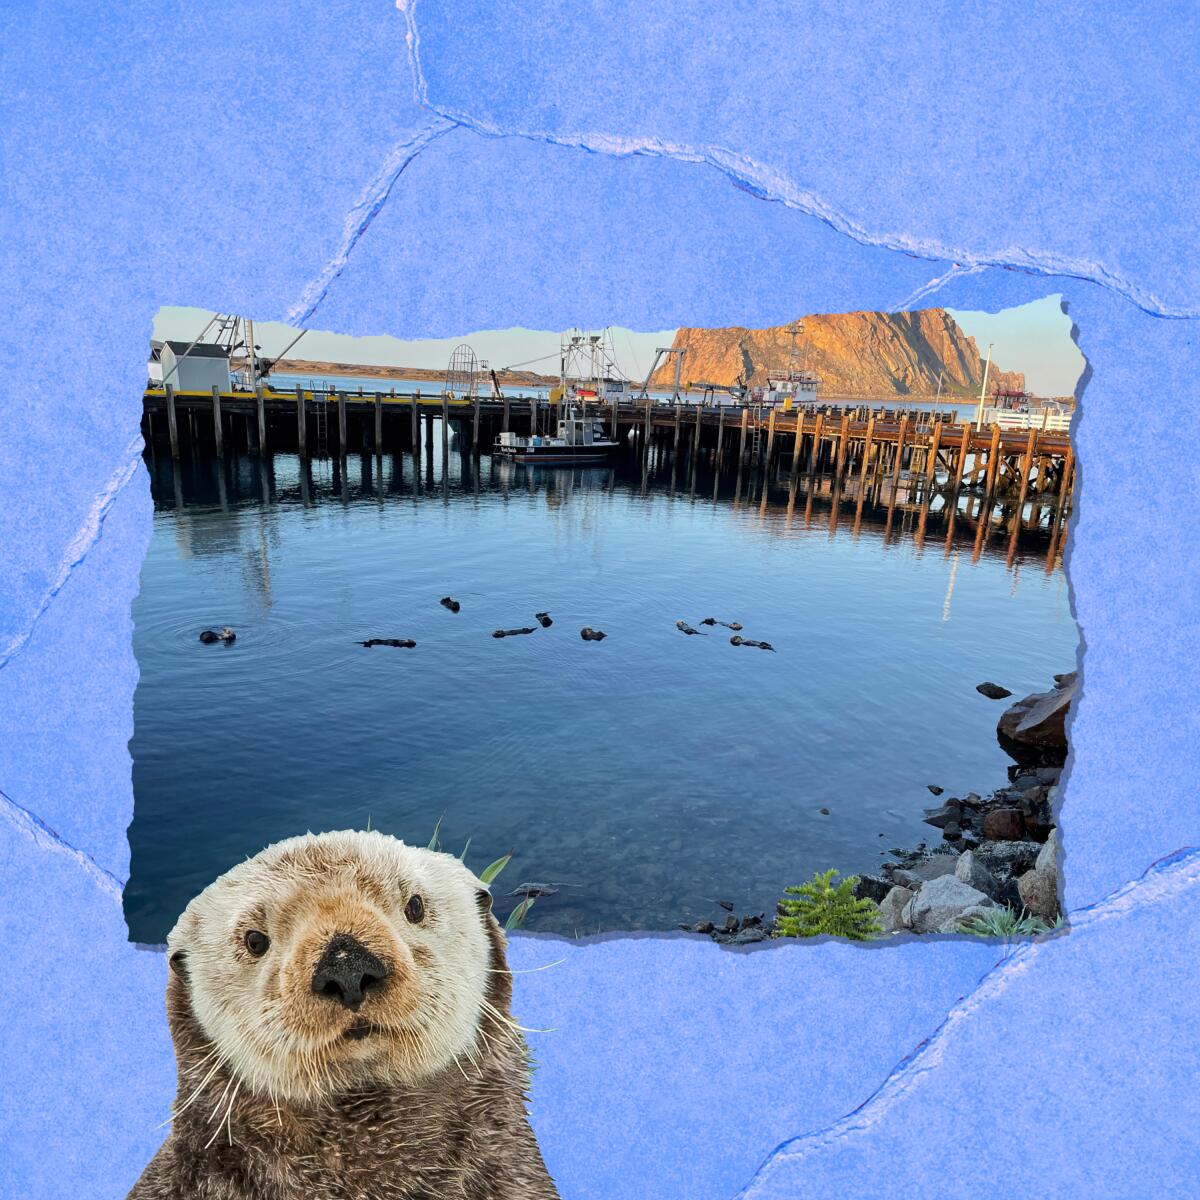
1034,338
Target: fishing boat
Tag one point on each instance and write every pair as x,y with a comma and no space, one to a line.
580,438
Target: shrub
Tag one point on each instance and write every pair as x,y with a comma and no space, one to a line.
1006,922
822,907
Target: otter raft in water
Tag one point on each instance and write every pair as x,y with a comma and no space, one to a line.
353,1038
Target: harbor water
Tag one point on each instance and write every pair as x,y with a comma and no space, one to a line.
644,776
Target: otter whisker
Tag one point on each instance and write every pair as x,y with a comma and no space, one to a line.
191,1099
527,971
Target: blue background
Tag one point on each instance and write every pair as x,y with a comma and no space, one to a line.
649,166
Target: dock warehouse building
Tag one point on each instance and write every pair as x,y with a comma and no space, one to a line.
196,369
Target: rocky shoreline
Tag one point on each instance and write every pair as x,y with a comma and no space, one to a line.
995,870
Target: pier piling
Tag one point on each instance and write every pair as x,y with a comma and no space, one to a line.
172,423
378,423
341,407
261,413
301,424
218,432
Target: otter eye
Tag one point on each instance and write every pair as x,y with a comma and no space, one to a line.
414,910
257,943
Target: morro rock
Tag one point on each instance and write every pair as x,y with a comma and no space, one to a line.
853,354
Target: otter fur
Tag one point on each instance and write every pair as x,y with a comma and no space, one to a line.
339,1006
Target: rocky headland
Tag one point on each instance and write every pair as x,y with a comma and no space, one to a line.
859,354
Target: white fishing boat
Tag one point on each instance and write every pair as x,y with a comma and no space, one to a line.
579,437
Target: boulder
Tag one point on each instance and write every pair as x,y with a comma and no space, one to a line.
1047,859
872,887
1006,858
973,873
942,900
933,867
1039,893
1036,725
993,691
1067,680
1003,824
939,818
891,909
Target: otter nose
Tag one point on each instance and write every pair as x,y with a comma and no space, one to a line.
348,971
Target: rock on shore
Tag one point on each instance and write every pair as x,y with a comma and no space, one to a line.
1034,728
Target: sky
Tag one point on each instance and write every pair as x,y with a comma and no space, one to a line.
1034,338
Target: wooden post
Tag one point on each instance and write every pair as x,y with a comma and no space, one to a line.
742,442
899,450
416,423
696,435
378,423
964,449
646,430
1026,465
172,422
475,425
931,463
993,460
218,431
770,436
341,407
533,417
720,434
445,424
1064,485
867,445
616,405
815,453
843,430
301,424
796,443
504,423
261,405
678,424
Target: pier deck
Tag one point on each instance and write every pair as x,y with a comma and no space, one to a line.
941,448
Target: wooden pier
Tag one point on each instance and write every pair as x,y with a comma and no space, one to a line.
942,451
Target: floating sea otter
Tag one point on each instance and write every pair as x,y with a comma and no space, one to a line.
226,635
403,643
543,619
741,641
450,603
501,633
339,1006
714,621
684,627
592,635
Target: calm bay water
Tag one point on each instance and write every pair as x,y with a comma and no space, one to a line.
643,775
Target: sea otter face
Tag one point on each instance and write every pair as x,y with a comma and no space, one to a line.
337,961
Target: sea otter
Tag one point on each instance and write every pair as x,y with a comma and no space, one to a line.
592,635
339,1006
543,619
503,633
226,635
684,627
400,643
450,603
741,641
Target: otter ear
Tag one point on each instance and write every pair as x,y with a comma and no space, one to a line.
483,898
178,963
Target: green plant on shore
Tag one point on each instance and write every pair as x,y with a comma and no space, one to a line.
822,907
1006,922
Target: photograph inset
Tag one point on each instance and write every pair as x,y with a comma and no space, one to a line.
750,633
